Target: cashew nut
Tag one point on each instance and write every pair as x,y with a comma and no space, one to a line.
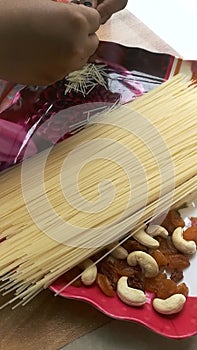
142,237
119,252
90,272
185,247
156,230
171,305
130,296
147,263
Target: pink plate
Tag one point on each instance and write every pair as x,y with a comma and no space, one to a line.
181,325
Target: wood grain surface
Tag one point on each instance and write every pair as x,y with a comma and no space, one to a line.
49,322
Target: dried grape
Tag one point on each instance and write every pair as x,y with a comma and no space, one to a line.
176,276
135,282
167,287
166,246
160,258
178,262
183,289
104,284
71,274
108,269
190,234
132,245
153,284
172,221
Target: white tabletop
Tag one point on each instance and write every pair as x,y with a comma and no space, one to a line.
175,21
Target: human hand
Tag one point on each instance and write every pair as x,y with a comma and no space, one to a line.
42,40
106,8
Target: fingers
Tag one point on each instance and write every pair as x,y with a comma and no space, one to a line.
89,14
59,38
81,57
94,3
93,43
88,49
79,24
83,42
106,8
92,17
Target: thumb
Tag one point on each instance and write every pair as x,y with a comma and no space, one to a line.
106,9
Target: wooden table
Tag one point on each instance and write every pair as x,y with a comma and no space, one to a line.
49,322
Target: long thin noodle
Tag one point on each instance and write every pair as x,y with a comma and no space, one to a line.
148,152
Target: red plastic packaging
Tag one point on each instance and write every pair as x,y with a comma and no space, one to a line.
38,117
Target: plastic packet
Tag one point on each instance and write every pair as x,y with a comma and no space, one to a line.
38,117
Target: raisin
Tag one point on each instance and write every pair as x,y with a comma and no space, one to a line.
166,246
77,283
153,284
71,274
160,258
123,269
136,283
105,285
129,271
98,255
167,287
177,262
183,289
176,276
131,245
190,234
108,269
172,221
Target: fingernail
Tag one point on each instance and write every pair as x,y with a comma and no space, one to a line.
75,2
87,3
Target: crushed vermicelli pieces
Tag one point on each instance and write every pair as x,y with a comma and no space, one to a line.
85,80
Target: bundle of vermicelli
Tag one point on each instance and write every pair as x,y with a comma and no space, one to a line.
51,221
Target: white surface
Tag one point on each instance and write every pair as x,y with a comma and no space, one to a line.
187,213
119,335
175,21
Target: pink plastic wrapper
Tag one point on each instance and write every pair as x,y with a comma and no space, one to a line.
34,118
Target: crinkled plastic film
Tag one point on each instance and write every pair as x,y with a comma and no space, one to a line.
39,117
